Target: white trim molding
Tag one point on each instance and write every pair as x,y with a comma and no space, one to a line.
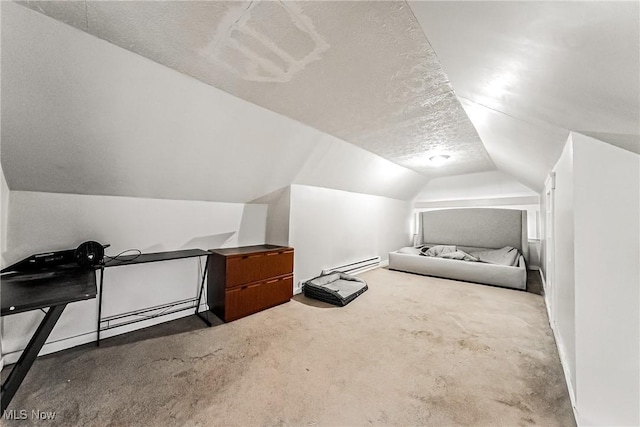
502,201
561,354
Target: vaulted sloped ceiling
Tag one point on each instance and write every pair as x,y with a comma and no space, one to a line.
492,84
361,71
81,115
527,73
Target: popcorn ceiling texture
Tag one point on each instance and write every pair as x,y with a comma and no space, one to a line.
82,115
361,71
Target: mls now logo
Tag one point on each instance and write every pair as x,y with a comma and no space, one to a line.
14,414
23,414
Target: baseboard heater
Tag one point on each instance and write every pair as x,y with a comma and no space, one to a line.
356,267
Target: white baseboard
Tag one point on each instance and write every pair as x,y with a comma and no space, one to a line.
563,358
546,297
381,264
565,369
69,342
54,346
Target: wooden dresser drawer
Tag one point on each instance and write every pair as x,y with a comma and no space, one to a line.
244,300
248,279
258,266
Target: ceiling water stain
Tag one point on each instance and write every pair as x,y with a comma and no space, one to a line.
274,53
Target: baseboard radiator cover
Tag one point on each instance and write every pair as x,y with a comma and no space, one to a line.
356,267
49,347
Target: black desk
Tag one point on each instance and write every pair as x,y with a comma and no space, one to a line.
154,257
25,292
146,258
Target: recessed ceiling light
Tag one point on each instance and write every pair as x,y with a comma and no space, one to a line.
439,160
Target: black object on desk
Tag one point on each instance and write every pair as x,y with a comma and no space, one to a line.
87,255
53,288
146,258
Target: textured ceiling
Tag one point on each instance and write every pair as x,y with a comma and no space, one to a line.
81,115
529,72
361,71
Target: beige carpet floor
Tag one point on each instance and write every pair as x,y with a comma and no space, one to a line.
412,350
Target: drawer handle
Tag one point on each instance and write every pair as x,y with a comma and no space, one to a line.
279,253
273,281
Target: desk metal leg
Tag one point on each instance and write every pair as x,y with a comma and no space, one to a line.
204,275
29,354
100,305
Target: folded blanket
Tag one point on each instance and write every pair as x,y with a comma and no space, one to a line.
448,252
505,256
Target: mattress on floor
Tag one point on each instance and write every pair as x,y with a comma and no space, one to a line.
334,288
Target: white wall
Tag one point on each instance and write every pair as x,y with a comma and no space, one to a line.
607,282
42,222
524,149
278,220
342,166
596,274
543,229
483,185
278,208
332,227
492,189
81,115
564,262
